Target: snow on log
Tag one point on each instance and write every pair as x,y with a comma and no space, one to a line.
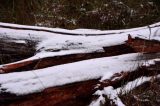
81,92
38,80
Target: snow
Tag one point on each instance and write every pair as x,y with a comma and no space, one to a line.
133,84
35,81
110,93
82,43
100,100
81,31
148,63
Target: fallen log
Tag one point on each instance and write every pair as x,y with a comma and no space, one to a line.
131,46
111,47
79,94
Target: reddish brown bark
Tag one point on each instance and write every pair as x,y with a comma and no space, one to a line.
142,45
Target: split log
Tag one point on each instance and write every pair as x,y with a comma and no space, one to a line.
131,46
79,94
57,60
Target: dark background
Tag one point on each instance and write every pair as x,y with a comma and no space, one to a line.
72,14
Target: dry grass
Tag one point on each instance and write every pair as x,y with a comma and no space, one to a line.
144,95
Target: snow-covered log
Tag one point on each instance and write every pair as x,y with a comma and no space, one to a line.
60,66
70,94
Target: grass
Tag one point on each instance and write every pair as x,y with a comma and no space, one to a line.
145,95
